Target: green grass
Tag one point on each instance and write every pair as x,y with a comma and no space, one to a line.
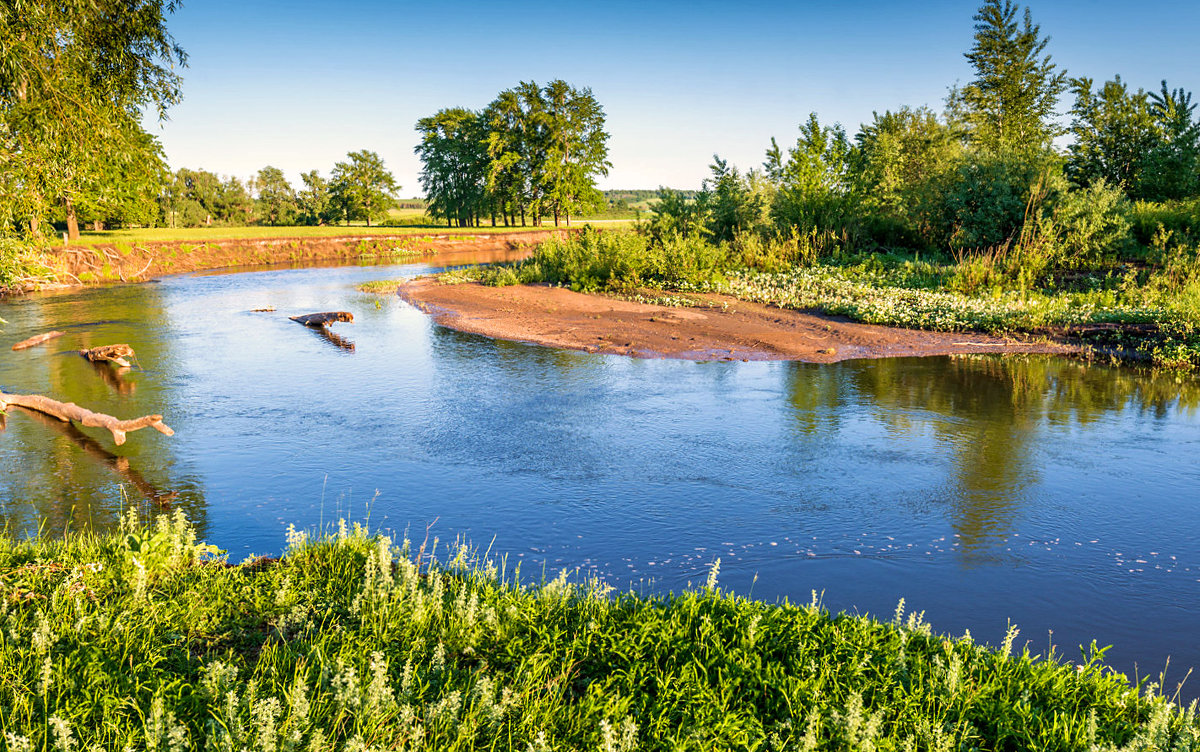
141,640
1147,311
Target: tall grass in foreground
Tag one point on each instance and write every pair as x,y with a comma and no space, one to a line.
143,641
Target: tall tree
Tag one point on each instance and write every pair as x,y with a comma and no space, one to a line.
362,188
1010,104
276,199
576,149
1112,131
508,174
454,172
1171,170
813,184
313,203
74,77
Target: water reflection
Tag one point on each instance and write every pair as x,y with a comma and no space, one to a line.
55,475
872,479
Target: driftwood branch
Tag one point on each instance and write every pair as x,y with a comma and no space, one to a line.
37,340
116,354
323,319
69,411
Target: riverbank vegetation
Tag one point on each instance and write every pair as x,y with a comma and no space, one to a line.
147,639
967,219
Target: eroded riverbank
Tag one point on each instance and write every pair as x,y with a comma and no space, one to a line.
138,262
711,327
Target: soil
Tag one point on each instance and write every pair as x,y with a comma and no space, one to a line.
715,327
142,261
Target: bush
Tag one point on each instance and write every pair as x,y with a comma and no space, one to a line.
594,261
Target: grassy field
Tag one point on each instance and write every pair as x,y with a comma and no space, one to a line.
146,640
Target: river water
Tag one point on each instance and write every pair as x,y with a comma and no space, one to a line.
1062,496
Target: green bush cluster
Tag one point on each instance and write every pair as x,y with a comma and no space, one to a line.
143,640
595,261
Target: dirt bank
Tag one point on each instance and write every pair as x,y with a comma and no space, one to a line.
716,328
136,262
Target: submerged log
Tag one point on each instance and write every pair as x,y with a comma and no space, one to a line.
69,411
323,319
116,354
36,340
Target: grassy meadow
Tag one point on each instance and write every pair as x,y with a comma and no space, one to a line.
147,639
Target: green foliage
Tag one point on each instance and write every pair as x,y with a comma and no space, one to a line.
75,77
677,214
533,152
813,186
1168,222
985,201
1147,143
454,166
901,164
1010,104
362,188
732,203
313,205
1171,170
20,263
347,643
276,200
594,261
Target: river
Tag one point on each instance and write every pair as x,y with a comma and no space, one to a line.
1059,495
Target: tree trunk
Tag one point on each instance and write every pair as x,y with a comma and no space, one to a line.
72,220
556,216
97,225
35,227
69,411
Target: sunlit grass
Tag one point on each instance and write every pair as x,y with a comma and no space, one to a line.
140,640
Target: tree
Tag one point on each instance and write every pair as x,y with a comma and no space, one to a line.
1112,131
454,172
1149,144
900,162
1170,169
813,185
576,149
729,202
313,202
362,188
74,77
1010,104
276,199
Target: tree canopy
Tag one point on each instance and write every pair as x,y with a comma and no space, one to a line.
74,78
533,152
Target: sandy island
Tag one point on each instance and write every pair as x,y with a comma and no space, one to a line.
718,328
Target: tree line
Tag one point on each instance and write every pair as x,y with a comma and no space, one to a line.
533,153
358,189
983,173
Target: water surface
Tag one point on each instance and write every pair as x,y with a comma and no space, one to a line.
1060,495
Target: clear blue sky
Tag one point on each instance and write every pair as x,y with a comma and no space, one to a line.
298,84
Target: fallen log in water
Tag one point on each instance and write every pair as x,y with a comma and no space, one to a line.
323,319
69,411
36,340
115,354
